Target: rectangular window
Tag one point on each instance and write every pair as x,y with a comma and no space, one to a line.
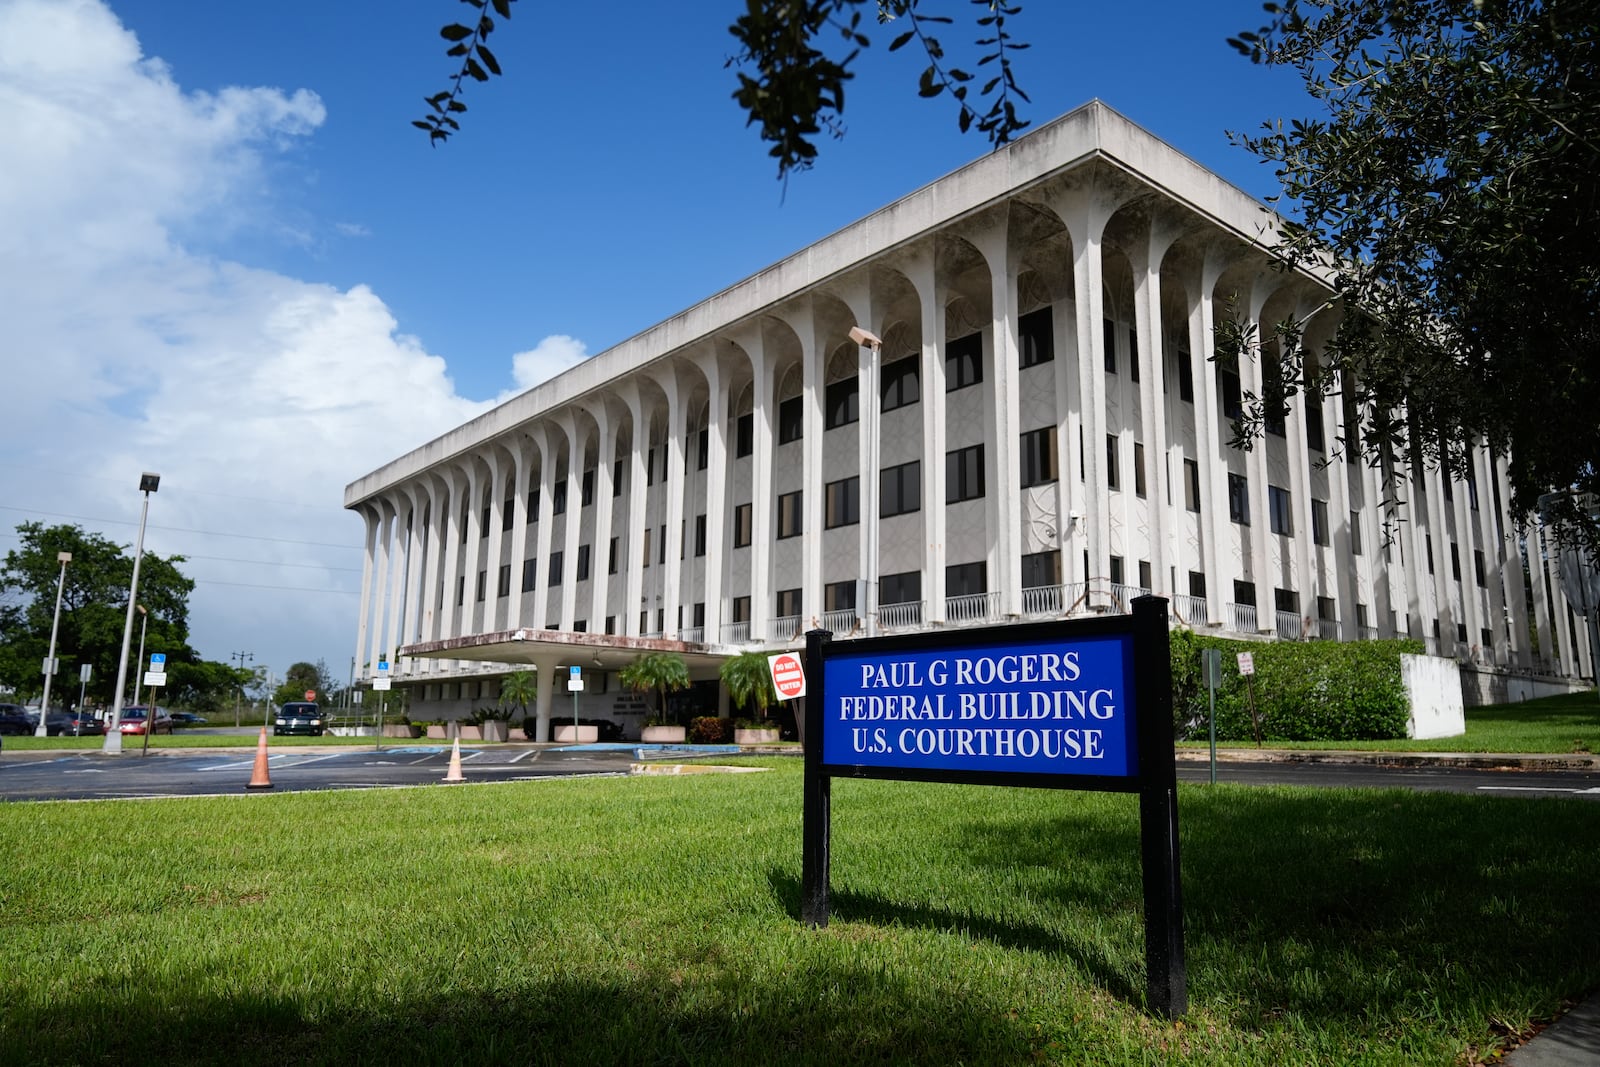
1274,408
1238,499
1278,505
788,603
702,449
1286,600
789,515
558,498
650,467
900,489
741,525
1116,570
508,513
1191,485
1113,475
1319,522
966,579
699,535
1036,338
580,626
1325,609
583,563
646,545
611,557
1314,435
556,567
611,627
1478,568
744,435
963,474
1133,354
698,615
1455,562
963,362
1110,342
1428,541
503,581
661,543
1144,574
1232,392
842,405
484,522
1197,583
530,574
533,505
1185,376
741,609
587,488
482,581
902,381
1355,533
1138,468
1041,570
616,478
1039,456
839,596
1244,592
842,505
791,420
903,588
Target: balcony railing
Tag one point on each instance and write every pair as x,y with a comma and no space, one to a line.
1044,600
785,627
1191,609
1243,617
1367,633
900,616
692,633
971,607
1122,597
1328,629
1289,625
735,633
841,623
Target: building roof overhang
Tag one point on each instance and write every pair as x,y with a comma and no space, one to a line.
528,646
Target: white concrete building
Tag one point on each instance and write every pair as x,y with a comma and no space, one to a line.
1041,431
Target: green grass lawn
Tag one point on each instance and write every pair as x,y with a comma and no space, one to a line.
653,920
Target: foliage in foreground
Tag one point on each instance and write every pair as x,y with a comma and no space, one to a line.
654,921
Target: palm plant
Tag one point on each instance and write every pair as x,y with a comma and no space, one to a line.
517,690
749,681
658,673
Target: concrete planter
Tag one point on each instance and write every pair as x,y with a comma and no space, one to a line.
496,730
664,735
469,732
439,732
585,735
755,737
401,731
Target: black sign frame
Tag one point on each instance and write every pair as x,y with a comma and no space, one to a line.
1154,780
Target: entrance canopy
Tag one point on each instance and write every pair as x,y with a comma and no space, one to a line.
607,652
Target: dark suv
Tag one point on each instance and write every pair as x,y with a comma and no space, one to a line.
14,719
298,717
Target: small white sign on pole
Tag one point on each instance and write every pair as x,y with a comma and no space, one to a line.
788,675
379,684
1247,663
155,678
574,679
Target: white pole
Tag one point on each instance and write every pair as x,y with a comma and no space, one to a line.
138,665
50,660
113,742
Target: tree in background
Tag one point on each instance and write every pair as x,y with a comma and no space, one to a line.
518,690
1453,193
748,677
94,604
303,677
659,673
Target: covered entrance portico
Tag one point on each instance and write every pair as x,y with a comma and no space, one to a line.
550,652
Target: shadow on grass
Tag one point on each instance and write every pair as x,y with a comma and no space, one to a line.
820,1016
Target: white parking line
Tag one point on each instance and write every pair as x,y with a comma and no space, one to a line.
1539,789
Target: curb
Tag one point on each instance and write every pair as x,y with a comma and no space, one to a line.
1483,761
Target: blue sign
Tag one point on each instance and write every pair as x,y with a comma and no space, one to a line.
158,660
575,672
1057,706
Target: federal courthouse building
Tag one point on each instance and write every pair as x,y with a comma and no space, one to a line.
994,400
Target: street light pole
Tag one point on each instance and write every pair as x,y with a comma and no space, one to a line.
50,660
138,664
243,658
148,483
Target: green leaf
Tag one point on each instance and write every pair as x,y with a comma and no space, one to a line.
488,59
455,32
901,41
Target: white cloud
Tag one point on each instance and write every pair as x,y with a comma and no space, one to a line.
127,348
544,361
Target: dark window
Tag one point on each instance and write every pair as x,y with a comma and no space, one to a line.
741,525
699,535
963,362
1239,499
508,513
839,596
966,579
587,488
1319,521
650,467
903,588
483,524
1113,474
901,383
1039,456
1197,583
1352,425
1116,570
611,557
1133,353
900,489
1041,569
1138,468
580,626
741,609
646,545
1185,376
1314,436
1325,609
1355,533
556,567
788,603
791,420
744,435
611,625
530,574
789,515
698,618
1110,334
1455,562
533,505
1278,505
1274,407
661,543
461,590
1144,574
1036,338
1478,568
1232,392
583,563
1428,541
482,581
1286,600
963,474
1191,485
1244,592
558,499
842,505
842,405
702,446
616,478
503,584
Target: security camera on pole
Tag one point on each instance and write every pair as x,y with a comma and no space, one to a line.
148,483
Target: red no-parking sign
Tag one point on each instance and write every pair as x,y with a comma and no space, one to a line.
788,677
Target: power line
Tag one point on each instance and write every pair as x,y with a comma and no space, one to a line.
276,563
280,588
179,529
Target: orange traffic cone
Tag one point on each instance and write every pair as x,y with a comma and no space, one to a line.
259,779
454,773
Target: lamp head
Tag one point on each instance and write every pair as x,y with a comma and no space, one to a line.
865,338
63,557
149,483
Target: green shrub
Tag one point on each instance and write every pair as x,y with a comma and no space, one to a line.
710,730
1303,690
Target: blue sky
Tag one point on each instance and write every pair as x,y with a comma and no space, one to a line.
241,266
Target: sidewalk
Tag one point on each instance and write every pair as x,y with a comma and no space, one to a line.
1571,1041
1487,761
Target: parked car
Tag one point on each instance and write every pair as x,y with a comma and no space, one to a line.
56,723
298,717
187,718
14,719
84,724
134,720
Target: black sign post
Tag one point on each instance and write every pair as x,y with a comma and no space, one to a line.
1076,704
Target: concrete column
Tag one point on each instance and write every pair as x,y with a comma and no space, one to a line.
1211,438
599,571
1259,533
1515,582
763,404
921,271
573,528
364,617
416,497
1004,414
397,571
801,319
493,458
1154,401
716,491
542,535
677,429
545,682
521,472
634,525
380,580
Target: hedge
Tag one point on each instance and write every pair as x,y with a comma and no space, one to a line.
1304,690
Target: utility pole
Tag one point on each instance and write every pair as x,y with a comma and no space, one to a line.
243,658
